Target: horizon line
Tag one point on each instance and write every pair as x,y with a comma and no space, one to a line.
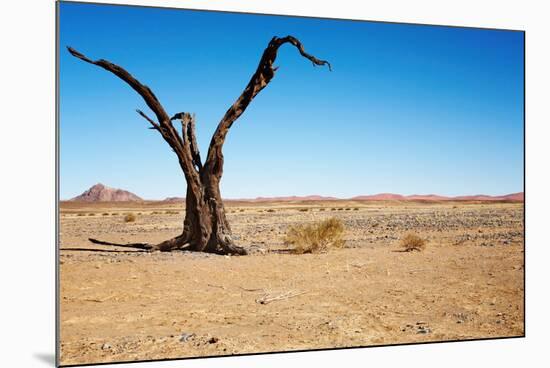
330,197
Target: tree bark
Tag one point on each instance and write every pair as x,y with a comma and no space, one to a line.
205,227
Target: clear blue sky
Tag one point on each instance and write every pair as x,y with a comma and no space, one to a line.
407,109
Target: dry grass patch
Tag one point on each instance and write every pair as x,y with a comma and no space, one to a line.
412,242
130,217
317,237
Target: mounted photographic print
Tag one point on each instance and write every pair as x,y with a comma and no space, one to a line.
235,183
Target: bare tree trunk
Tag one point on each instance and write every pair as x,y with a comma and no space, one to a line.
205,227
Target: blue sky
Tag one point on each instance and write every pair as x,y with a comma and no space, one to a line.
407,109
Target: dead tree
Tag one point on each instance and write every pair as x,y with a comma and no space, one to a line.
205,227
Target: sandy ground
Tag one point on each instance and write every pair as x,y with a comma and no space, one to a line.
124,306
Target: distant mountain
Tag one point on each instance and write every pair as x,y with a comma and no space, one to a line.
520,197
102,193
174,199
515,197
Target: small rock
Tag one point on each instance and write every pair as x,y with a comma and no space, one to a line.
213,340
423,330
105,347
186,336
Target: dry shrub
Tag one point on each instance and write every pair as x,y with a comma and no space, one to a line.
321,209
81,214
412,242
91,214
303,209
356,209
270,210
105,214
130,217
172,212
317,237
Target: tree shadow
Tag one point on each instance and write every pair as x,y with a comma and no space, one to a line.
102,250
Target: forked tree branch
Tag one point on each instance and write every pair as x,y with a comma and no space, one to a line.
263,75
151,121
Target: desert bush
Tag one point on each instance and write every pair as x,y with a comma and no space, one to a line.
317,237
81,214
303,209
340,209
91,214
321,209
347,208
114,214
241,210
105,214
270,210
356,209
172,212
412,242
130,217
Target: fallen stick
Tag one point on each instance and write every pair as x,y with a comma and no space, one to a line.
245,289
266,299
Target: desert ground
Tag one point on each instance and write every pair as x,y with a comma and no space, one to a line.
122,305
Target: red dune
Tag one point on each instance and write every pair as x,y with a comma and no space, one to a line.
427,197
379,197
291,198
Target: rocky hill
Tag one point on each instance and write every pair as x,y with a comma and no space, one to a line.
103,193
